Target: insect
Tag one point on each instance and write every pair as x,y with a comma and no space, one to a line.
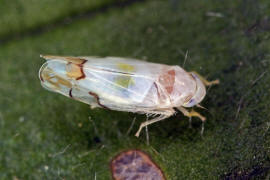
124,84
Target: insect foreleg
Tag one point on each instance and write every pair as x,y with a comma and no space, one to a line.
204,80
192,113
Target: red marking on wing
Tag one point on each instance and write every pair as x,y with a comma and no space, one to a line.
167,80
70,93
97,99
81,68
155,84
40,76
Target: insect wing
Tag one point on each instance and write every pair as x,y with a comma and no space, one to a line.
55,77
121,84
115,83
126,65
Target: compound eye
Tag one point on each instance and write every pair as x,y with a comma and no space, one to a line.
191,102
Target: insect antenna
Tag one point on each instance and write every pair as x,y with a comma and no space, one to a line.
186,56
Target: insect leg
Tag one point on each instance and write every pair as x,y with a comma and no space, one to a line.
146,123
190,122
204,80
191,113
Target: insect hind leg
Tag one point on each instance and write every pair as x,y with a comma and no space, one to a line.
146,123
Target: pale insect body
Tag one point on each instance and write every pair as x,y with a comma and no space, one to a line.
125,85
